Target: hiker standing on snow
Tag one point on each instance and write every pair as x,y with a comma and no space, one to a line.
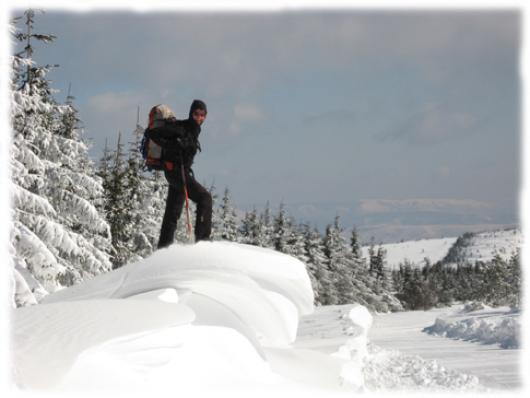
179,140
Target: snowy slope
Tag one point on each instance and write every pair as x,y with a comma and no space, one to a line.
415,251
211,319
475,247
485,245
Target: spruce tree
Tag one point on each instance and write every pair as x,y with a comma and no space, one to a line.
216,214
58,235
355,246
228,219
266,228
250,231
294,245
497,287
140,199
514,279
340,268
316,266
280,230
118,208
76,192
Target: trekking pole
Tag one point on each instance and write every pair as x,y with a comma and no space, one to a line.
188,219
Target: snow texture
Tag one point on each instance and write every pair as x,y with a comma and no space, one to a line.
211,318
483,324
484,246
478,247
415,251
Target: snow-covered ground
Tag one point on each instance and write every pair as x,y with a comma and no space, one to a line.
495,367
212,318
384,369
415,251
481,323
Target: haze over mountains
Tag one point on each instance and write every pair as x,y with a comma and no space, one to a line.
397,220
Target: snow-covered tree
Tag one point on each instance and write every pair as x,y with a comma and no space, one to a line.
316,265
58,234
355,246
250,230
281,230
266,228
154,206
118,207
497,287
294,245
216,217
145,198
228,219
340,268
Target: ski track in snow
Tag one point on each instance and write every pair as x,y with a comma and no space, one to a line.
496,368
384,368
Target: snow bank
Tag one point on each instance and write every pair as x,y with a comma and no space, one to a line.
48,338
209,318
486,325
212,319
393,371
339,332
234,278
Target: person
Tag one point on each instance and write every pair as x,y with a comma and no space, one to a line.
179,140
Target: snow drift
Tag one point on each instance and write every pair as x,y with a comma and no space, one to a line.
205,317
480,323
225,277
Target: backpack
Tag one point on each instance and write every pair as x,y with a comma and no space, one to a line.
150,150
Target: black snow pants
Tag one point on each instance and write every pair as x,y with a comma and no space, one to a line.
175,201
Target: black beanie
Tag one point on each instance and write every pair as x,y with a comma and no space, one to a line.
197,104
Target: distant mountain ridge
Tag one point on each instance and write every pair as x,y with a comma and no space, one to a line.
393,220
467,248
470,248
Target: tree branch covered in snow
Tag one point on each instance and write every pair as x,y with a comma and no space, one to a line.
58,234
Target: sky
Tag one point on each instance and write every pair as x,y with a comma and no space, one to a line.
391,119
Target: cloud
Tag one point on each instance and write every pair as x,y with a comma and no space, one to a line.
434,124
461,206
111,112
443,172
243,115
340,117
239,53
110,103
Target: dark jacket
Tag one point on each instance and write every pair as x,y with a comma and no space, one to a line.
179,140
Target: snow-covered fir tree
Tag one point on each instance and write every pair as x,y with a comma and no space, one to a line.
146,198
76,192
154,206
119,205
58,236
294,245
355,246
216,216
281,230
497,288
514,279
266,228
228,220
250,231
340,268
316,265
